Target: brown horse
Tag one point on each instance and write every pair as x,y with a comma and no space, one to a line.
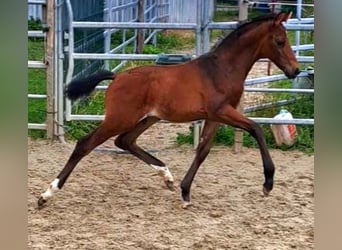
207,88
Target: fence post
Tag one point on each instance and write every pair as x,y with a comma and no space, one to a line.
199,51
107,38
140,36
50,63
238,135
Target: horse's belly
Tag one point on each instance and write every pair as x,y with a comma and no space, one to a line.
181,114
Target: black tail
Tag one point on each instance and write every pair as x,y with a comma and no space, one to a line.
84,86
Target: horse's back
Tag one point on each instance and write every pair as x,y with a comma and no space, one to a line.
169,92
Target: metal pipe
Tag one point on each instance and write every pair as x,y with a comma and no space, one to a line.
129,25
288,26
152,35
205,28
59,100
303,59
297,34
36,33
198,29
264,79
107,34
36,65
276,90
36,96
115,56
36,126
268,105
71,57
303,47
38,2
124,44
199,51
262,120
121,7
118,67
256,119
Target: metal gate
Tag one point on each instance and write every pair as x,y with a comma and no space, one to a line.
124,16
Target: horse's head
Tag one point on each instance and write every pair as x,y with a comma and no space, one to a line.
277,47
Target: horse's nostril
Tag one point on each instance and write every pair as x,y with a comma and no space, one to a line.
297,72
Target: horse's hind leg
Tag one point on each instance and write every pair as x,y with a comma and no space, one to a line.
83,147
202,151
127,141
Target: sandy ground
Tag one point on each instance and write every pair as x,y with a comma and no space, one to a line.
115,201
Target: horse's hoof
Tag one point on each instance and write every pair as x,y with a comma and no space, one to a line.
169,185
186,204
41,202
266,191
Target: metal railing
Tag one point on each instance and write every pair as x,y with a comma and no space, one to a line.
36,65
201,28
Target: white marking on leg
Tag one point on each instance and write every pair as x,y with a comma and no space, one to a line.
164,172
153,112
186,204
50,191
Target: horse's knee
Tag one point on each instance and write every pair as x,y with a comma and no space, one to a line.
122,143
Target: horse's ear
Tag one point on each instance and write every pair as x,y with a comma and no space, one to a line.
282,17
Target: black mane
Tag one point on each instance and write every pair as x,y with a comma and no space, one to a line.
242,28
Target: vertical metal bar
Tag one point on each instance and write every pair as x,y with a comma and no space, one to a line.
123,11
297,34
198,28
155,14
206,19
135,44
124,40
59,75
70,70
199,51
107,32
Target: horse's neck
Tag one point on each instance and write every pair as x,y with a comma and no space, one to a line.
240,55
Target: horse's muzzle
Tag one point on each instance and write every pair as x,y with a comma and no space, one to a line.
293,75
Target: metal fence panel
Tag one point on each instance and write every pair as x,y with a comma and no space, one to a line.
94,19
184,11
35,12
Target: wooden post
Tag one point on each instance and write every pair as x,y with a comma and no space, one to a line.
243,10
238,135
49,62
140,35
269,64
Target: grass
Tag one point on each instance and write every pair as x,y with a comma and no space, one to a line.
37,107
36,82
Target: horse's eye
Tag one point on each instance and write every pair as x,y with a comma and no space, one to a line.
280,43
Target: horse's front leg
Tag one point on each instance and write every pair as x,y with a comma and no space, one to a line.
229,115
202,151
